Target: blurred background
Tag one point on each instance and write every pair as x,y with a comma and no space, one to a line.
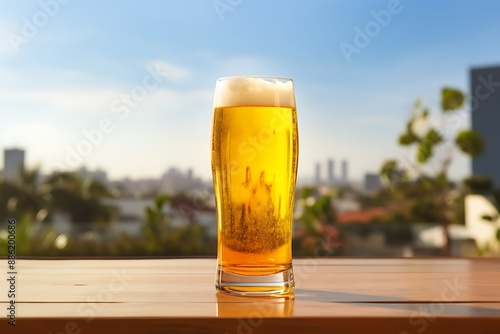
106,115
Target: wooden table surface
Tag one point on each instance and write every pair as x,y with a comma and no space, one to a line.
178,296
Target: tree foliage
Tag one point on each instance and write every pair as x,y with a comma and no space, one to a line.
431,190
470,142
62,192
315,217
451,99
164,239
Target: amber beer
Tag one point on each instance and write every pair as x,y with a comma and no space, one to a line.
254,166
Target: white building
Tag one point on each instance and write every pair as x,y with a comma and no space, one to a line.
483,231
477,233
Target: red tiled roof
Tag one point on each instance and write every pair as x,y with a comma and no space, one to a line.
361,216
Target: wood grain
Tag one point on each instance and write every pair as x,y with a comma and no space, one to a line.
178,295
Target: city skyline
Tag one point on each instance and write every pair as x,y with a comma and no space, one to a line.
128,88
175,179
17,154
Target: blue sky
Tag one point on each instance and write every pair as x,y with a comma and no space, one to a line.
84,56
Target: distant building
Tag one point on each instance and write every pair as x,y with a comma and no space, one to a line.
372,182
13,164
97,175
331,172
344,175
317,176
176,181
485,92
172,181
136,188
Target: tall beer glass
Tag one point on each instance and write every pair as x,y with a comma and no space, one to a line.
254,167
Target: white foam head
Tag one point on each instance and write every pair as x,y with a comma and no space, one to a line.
254,91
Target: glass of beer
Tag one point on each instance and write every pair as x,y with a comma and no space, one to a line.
254,167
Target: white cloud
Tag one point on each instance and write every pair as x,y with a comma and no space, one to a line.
5,74
70,100
171,71
5,47
166,100
14,78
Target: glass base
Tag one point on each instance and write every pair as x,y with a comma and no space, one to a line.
278,284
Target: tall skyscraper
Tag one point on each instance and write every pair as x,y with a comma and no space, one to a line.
372,182
317,174
485,106
345,177
331,172
13,164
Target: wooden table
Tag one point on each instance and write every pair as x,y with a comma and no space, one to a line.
178,296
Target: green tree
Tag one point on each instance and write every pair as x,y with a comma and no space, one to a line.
408,200
190,238
426,140
156,224
31,201
64,192
81,199
315,218
24,196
